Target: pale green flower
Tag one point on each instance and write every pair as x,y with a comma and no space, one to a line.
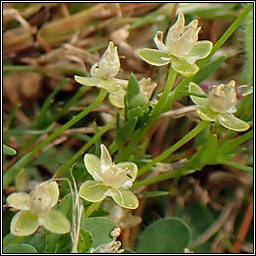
181,48
103,75
219,105
36,210
110,179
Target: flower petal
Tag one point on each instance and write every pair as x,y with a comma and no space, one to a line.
231,122
93,191
54,192
207,114
88,81
202,102
92,164
105,159
154,57
184,68
199,50
19,200
24,223
125,198
133,170
55,222
158,39
116,100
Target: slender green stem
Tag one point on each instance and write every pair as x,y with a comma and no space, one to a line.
12,172
154,115
174,147
10,117
85,148
165,176
77,96
91,209
17,68
238,166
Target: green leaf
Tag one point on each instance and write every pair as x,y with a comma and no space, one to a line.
206,155
125,198
99,228
194,88
64,244
126,132
207,114
152,194
8,150
134,95
85,241
19,248
37,240
24,223
200,50
184,68
12,239
136,112
93,191
208,69
233,123
55,222
51,242
154,57
165,236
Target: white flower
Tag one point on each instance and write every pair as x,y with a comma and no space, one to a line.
109,180
36,210
219,105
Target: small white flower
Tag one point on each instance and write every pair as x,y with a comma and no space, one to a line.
109,180
219,105
36,210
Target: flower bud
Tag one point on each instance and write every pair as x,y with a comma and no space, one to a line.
180,38
109,64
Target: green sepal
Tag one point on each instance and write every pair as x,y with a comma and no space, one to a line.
93,191
154,57
55,222
184,68
24,223
125,198
231,122
199,50
194,88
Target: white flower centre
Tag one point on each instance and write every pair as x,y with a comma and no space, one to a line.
40,201
115,177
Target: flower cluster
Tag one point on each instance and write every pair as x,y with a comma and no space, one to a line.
181,48
110,179
219,105
35,209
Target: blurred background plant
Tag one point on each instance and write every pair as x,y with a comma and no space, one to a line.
46,44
